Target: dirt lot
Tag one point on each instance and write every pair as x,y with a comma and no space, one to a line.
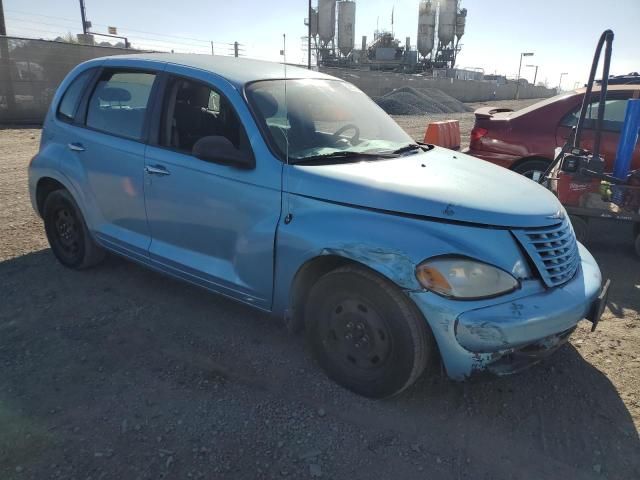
121,373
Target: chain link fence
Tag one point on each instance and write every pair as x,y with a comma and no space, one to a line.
31,70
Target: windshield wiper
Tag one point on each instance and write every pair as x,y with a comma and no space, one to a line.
341,155
407,148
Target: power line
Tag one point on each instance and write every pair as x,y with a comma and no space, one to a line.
123,27
49,28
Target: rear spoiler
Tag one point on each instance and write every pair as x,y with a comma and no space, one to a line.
488,112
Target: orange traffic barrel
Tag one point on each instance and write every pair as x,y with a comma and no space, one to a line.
444,134
455,134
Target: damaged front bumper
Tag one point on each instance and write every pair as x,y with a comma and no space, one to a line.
506,334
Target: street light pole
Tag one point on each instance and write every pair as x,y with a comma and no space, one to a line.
560,82
535,75
309,39
523,54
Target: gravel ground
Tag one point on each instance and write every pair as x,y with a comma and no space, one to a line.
420,101
122,373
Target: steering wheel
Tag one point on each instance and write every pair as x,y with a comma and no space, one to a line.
337,135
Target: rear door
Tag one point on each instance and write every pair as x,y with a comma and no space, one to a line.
616,105
111,148
211,223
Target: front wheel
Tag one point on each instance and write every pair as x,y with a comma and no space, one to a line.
580,228
67,232
365,334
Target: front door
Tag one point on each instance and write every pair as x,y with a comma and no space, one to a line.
211,223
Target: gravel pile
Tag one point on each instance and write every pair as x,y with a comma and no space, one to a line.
417,101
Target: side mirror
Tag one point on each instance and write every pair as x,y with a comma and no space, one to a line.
218,149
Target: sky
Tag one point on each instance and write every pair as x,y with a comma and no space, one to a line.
562,34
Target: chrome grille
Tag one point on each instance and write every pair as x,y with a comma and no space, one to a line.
553,250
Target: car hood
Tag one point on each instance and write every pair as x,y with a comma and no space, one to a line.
439,183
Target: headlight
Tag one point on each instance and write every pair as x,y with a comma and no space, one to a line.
464,278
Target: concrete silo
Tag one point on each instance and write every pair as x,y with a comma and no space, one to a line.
426,27
346,26
326,21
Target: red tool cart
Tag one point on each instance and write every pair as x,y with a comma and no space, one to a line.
577,175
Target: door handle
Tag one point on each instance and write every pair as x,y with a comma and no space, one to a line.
76,147
156,170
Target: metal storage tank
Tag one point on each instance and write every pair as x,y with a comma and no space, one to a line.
313,22
426,27
461,21
346,26
447,21
326,20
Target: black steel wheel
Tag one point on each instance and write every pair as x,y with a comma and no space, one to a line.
580,227
366,334
530,168
67,232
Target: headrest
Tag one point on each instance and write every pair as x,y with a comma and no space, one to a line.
112,94
196,95
266,103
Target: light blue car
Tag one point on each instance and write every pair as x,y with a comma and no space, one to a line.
302,198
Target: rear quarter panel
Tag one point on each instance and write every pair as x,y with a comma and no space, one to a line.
53,151
530,132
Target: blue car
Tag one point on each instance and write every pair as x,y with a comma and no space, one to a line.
291,191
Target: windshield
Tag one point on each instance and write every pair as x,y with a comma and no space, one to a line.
323,117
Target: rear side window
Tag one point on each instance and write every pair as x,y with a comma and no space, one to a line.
119,103
69,103
613,115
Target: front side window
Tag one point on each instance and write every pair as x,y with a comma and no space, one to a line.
613,115
119,103
319,117
193,110
69,103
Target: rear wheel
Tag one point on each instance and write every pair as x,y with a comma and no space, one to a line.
366,334
67,232
532,169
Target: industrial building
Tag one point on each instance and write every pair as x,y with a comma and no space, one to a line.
440,26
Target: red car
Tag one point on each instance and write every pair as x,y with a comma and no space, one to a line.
524,141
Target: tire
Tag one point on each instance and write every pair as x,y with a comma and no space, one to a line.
637,243
67,232
580,228
365,334
528,167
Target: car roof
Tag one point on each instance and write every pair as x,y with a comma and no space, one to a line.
238,71
611,88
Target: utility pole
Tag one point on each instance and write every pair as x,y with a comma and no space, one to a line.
83,14
211,47
3,27
235,49
309,40
5,64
